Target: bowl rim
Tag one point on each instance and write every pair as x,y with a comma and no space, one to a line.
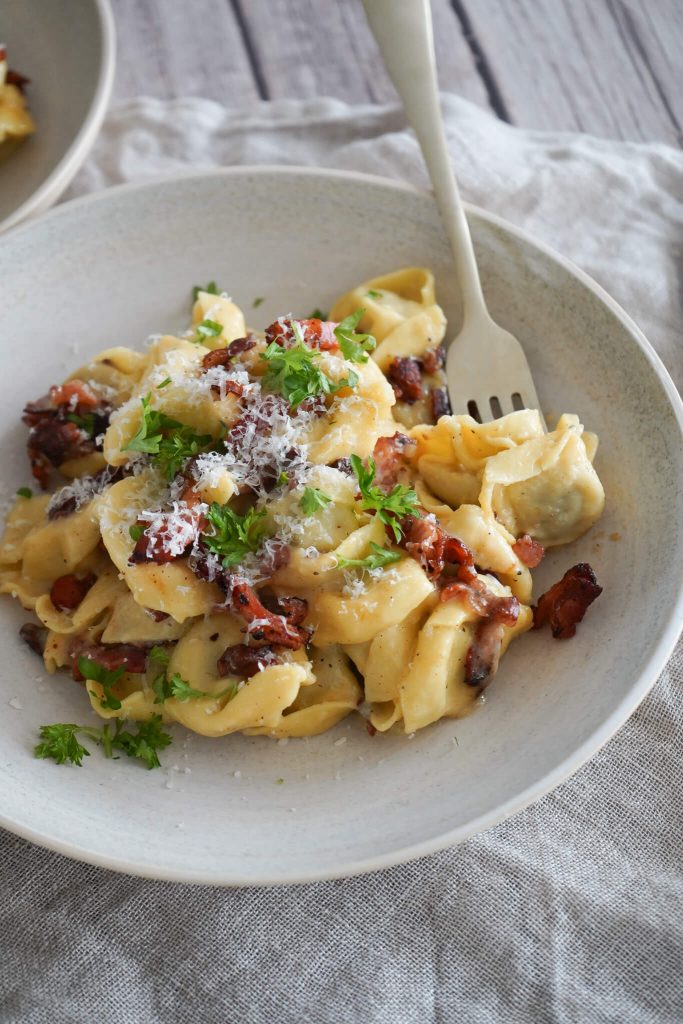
597,739
50,189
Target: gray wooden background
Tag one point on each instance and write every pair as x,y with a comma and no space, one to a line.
610,67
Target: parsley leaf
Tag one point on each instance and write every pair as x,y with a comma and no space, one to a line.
211,288
233,536
318,314
144,743
257,302
354,346
59,741
377,560
167,440
86,423
312,499
372,294
400,501
136,531
282,479
25,492
295,374
164,384
176,686
107,678
207,329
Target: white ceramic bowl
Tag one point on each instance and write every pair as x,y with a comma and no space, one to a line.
66,47
110,270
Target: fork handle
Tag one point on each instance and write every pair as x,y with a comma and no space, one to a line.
403,30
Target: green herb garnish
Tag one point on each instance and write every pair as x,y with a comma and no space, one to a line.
25,492
372,294
59,741
399,502
354,346
136,531
295,373
233,536
168,441
211,288
257,302
377,560
282,479
86,423
164,384
312,500
107,678
318,314
207,329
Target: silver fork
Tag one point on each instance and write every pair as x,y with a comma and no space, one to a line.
488,374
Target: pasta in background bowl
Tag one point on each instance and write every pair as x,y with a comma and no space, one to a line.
317,803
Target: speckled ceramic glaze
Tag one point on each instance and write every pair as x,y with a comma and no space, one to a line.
111,269
66,47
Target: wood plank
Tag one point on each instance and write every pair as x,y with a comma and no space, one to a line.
307,48
170,50
600,66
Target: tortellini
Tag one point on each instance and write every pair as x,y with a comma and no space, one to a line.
225,547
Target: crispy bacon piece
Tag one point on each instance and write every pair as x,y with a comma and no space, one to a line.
170,538
434,549
565,604
433,359
529,551
53,437
16,78
74,393
293,609
244,662
343,465
483,601
483,654
316,333
263,626
225,356
110,656
405,376
34,636
391,455
440,403
68,591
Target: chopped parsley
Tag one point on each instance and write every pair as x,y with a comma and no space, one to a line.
378,558
85,423
168,441
372,294
233,536
60,742
282,479
207,329
295,373
107,678
400,501
176,686
318,314
211,288
312,500
257,302
354,346
164,384
136,531
25,492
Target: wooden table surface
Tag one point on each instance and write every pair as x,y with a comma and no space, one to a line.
610,67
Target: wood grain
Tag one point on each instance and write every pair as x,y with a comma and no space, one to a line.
597,66
324,48
610,67
169,48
